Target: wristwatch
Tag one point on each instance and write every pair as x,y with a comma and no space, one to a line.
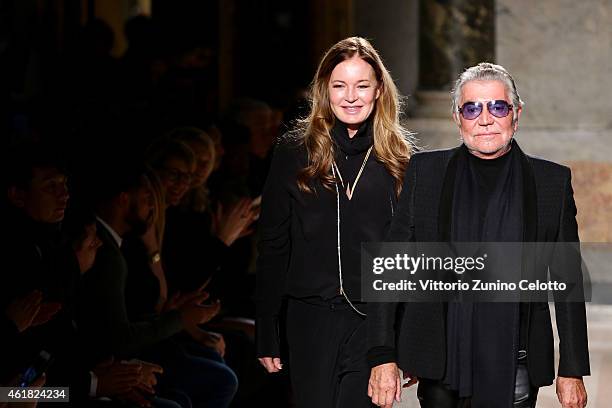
155,257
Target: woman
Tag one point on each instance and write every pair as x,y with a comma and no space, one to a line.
333,184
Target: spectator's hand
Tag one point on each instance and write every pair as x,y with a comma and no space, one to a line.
87,250
194,313
384,386
148,375
46,312
271,364
571,392
235,223
178,299
116,378
149,238
208,339
135,397
23,311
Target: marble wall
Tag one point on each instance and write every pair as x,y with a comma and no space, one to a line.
560,52
393,28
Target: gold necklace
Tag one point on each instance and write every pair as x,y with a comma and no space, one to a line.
349,190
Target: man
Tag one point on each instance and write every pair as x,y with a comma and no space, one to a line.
39,281
124,203
487,189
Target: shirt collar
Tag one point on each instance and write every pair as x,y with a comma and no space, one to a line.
113,233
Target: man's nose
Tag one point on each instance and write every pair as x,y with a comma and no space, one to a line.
485,117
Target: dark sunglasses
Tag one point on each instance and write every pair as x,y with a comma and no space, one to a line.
472,110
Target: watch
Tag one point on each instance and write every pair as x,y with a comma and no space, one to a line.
155,257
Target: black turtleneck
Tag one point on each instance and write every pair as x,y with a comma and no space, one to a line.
488,171
350,152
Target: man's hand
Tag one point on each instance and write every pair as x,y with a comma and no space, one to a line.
271,364
571,392
385,385
148,375
46,312
194,313
22,311
115,378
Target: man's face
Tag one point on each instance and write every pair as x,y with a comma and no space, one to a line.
486,136
46,198
140,212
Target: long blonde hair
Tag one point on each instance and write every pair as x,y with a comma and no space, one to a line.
393,144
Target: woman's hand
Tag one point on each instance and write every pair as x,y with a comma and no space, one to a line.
271,364
235,223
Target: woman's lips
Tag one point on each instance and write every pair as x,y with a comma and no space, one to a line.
352,110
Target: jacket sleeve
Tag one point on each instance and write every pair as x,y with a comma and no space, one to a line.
274,249
571,315
382,316
102,310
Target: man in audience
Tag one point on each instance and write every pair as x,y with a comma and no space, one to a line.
123,203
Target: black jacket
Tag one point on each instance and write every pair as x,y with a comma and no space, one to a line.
298,254
413,334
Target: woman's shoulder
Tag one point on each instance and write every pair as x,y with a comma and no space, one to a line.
290,144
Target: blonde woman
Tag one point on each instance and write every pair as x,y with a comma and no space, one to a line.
333,184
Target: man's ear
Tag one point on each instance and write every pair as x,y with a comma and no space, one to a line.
457,119
16,196
515,121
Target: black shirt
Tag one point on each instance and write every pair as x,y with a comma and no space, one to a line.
298,231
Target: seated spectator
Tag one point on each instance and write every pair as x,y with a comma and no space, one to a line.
43,282
124,205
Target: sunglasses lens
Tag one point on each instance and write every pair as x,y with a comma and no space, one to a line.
471,110
499,109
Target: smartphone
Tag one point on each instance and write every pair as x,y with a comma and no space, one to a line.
39,367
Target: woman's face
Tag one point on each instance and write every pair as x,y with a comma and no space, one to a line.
175,177
353,91
203,164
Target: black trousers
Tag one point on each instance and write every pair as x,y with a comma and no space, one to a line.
434,394
327,354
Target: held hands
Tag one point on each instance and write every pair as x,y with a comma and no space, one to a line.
571,392
271,364
130,381
385,385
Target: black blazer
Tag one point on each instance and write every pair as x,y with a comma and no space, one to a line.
414,334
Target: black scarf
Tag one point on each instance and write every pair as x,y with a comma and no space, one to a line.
483,338
359,143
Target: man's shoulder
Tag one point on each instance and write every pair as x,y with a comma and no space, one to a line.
546,168
436,156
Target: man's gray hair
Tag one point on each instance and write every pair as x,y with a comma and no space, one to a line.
486,71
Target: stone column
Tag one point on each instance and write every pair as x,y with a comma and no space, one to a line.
393,28
454,34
